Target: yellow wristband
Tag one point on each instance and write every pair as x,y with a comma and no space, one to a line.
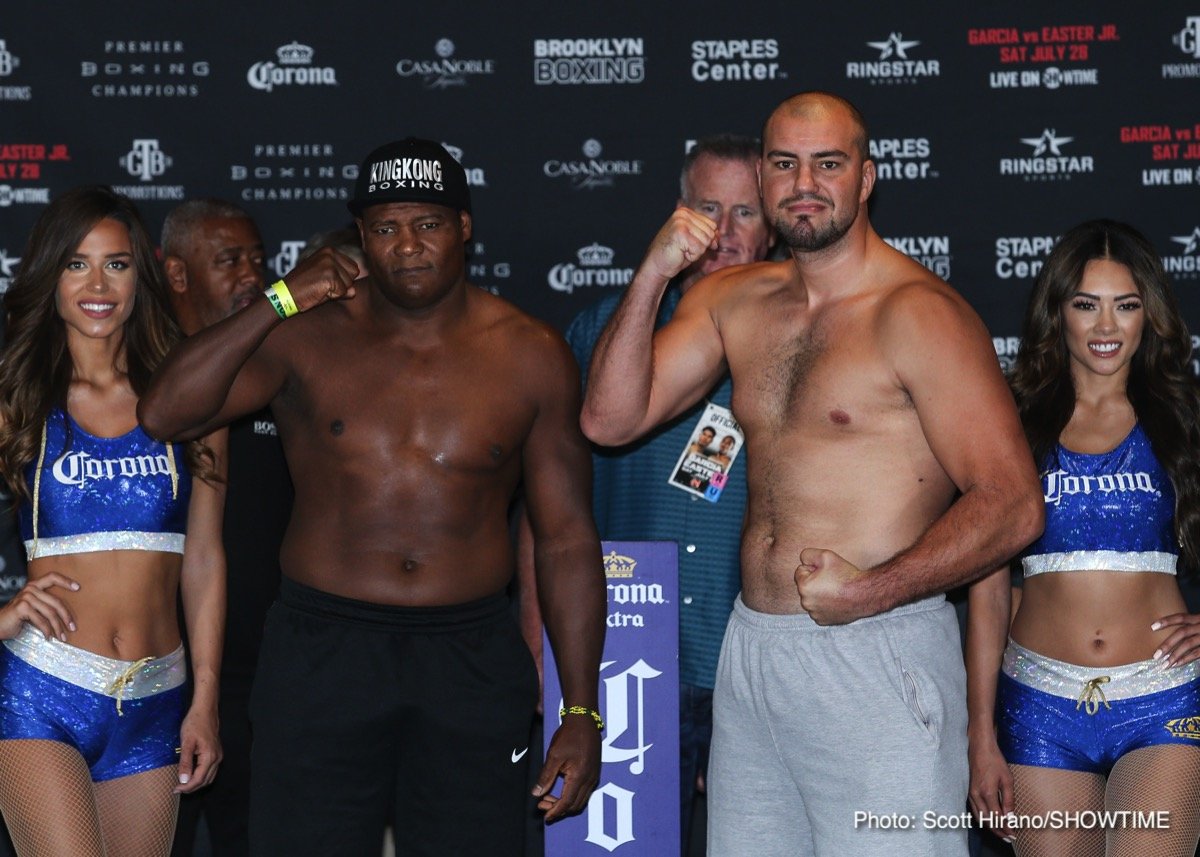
281,299
579,709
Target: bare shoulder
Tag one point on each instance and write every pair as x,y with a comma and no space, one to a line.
920,304
738,287
533,342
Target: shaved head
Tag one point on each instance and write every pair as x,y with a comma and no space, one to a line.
816,104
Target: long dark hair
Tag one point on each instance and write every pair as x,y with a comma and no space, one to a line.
36,369
1161,389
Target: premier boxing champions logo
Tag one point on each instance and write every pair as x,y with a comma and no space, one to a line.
294,68
446,70
723,60
574,62
1047,162
893,65
292,172
594,268
145,68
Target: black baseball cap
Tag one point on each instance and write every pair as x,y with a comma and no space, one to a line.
411,170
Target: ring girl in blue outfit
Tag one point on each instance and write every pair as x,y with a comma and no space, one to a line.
97,737
1095,687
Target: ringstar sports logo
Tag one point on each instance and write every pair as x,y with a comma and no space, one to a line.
1049,140
573,62
893,45
294,68
445,71
1187,264
1047,161
893,65
595,268
593,171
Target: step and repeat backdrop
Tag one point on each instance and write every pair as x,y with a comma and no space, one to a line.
995,127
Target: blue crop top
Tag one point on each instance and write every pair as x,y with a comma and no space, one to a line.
101,493
1112,511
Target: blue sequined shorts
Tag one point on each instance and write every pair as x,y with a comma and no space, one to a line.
122,716
1054,714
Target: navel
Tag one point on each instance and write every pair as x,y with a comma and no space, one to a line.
410,565
495,451
337,427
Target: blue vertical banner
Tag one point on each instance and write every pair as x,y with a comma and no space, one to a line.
635,808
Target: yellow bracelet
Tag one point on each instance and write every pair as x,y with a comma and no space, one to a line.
281,299
579,709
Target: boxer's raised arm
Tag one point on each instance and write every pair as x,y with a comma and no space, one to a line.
223,371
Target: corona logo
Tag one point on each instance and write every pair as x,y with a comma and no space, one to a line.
595,254
616,565
294,54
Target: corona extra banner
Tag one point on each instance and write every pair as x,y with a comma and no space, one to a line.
635,808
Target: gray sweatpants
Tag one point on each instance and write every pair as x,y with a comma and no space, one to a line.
842,740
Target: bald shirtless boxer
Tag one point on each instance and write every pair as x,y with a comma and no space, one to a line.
393,684
885,464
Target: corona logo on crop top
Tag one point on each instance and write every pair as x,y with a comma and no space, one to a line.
75,468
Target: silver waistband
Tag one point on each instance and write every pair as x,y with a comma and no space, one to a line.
1131,561
108,676
1071,680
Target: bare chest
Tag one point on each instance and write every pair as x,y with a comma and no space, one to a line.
451,411
822,378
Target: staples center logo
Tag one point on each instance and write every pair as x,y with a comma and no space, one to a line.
594,268
736,59
592,172
1022,256
8,62
893,64
1047,163
294,68
445,71
145,160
